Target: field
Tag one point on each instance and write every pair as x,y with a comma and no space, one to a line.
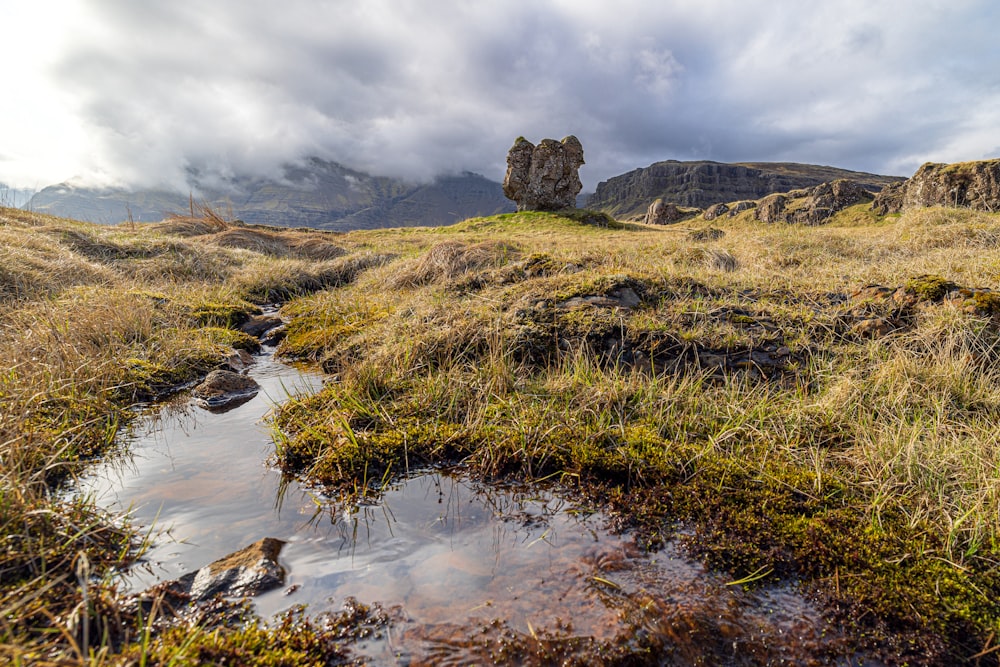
808,404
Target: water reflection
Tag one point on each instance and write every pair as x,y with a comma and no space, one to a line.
201,478
520,567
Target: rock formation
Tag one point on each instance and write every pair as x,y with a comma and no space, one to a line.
544,177
813,206
662,213
974,185
715,210
701,184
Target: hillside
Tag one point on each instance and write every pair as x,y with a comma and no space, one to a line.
794,409
318,194
703,183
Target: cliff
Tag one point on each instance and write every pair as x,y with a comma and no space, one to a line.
703,183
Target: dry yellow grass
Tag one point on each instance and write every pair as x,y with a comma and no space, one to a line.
866,465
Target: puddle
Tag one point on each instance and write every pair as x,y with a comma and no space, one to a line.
480,573
203,476
471,573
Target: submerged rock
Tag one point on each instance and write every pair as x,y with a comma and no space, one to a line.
244,573
223,389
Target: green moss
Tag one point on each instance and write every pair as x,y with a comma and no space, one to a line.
224,314
929,287
233,338
982,302
296,639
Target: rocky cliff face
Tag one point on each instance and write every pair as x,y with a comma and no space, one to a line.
701,184
317,194
974,185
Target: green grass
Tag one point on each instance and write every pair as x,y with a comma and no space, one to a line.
710,388
864,468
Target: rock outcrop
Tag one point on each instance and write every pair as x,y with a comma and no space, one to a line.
701,184
544,177
813,206
715,210
974,185
663,213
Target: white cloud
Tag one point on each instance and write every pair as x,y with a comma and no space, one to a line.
141,93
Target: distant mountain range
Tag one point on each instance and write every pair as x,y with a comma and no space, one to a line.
14,197
327,195
703,183
318,193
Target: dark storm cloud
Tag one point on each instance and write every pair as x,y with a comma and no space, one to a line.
413,89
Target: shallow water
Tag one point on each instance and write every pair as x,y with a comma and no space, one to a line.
453,559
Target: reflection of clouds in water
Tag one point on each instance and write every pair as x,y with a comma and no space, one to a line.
203,476
451,552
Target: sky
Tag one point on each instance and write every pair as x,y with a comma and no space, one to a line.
143,94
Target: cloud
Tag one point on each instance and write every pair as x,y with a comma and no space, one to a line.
148,93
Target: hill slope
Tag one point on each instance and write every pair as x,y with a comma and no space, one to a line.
317,193
703,183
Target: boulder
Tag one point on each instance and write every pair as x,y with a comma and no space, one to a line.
715,210
974,185
544,177
771,208
889,199
741,206
813,206
250,571
662,213
224,389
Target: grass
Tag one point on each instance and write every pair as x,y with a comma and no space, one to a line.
734,403
93,320
707,383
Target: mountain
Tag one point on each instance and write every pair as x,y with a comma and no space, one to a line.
317,193
14,197
703,183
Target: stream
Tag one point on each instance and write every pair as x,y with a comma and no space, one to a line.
464,565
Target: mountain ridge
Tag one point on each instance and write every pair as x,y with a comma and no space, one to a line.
317,193
327,195
701,183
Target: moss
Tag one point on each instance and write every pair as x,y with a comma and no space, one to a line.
980,301
228,314
294,639
592,218
233,338
929,287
